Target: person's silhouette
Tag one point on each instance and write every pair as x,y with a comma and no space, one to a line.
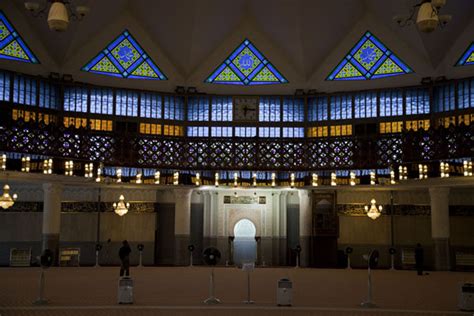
124,255
419,259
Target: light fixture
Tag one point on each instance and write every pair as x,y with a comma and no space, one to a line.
59,13
422,171
138,178
119,175
392,176
292,180
25,164
89,170
69,168
121,208
315,180
198,179
48,166
7,201
333,179
467,167
236,179
176,178
402,173
273,179
372,178
427,16
216,179
352,176
254,179
157,177
3,162
99,173
444,169
373,211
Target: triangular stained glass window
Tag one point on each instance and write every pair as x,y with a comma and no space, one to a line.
12,46
468,57
369,59
246,66
125,58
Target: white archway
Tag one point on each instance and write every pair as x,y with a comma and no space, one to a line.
245,246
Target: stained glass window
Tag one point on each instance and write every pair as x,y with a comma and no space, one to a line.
126,103
221,108
24,90
417,101
269,109
468,57
75,99
125,58
466,94
12,45
245,132
317,109
198,108
150,105
198,131
269,132
365,104
221,131
444,98
391,103
341,107
369,59
102,101
293,109
173,108
246,66
4,86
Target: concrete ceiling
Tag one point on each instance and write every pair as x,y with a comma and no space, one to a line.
305,39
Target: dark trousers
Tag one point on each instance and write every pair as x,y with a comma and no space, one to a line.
419,269
125,266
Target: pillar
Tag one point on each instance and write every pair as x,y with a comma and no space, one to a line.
439,199
283,227
51,218
182,225
305,226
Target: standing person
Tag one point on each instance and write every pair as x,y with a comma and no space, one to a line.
419,258
124,255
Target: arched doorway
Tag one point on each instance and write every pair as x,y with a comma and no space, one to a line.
245,246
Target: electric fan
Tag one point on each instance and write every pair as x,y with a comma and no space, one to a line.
211,257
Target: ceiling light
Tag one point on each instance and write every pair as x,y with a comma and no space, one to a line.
373,211
121,208
6,200
59,13
426,16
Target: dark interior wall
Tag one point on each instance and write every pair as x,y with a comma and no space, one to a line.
292,231
164,235
197,231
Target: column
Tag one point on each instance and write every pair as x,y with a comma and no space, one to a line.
51,218
305,226
283,228
439,198
275,229
182,225
207,215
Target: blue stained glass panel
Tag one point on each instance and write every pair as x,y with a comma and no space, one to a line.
75,99
269,109
444,98
293,109
4,86
246,65
12,46
365,104
150,105
317,109
391,103
417,101
468,57
466,94
369,59
125,58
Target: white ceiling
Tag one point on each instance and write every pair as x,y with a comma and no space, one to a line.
188,39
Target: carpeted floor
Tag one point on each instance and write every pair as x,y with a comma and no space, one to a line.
180,291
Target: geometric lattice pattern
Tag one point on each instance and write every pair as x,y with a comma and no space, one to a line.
369,59
125,58
468,57
246,66
12,46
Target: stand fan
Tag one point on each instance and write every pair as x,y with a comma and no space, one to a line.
211,257
372,260
46,261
